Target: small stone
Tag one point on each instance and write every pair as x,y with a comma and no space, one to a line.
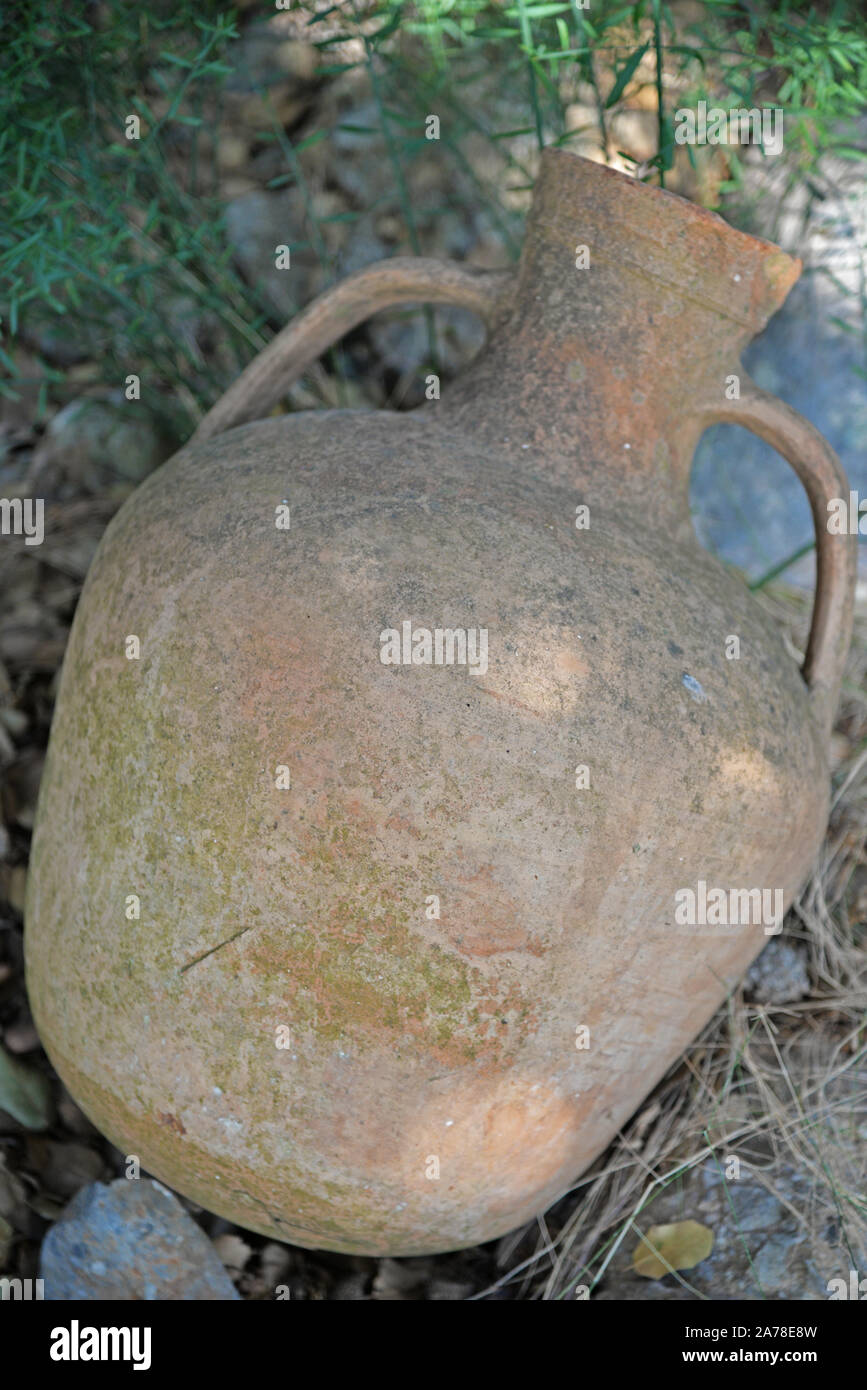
299,60
233,1252
256,224
14,720
73,1118
17,887
351,1289
232,153
584,118
64,1167
260,111
754,1208
449,1290
635,132
48,1207
232,187
772,1265
399,1279
779,975
389,227
275,1261
92,443
21,1036
130,1241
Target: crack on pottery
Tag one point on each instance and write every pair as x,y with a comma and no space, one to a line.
212,950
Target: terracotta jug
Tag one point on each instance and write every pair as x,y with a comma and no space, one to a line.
360,891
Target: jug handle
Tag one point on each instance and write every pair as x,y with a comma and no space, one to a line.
400,280
823,477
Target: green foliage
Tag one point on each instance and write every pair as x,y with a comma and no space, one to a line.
96,233
99,234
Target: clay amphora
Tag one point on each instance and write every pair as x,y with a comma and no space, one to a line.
370,940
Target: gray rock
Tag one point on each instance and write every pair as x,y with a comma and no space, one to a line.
402,343
92,444
753,1208
351,1289
261,60
449,1291
365,248
256,224
361,165
130,1241
779,974
773,1264
760,1250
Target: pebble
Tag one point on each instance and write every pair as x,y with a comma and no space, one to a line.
130,1241
21,1036
773,1265
779,974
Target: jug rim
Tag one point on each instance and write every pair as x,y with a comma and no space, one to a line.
746,277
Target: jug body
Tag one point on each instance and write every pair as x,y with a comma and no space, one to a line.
433,908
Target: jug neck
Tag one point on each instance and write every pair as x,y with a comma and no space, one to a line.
629,306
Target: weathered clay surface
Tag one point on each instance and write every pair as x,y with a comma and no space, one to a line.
410,1039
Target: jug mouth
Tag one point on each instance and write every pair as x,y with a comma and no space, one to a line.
689,249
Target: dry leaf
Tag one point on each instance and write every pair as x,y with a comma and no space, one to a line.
63,1166
680,1245
25,1093
233,1252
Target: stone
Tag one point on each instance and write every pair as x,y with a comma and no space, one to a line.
21,1036
779,975
299,60
773,1264
64,1167
256,224
753,1208
130,1241
92,444
232,152
761,1250
449,1291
